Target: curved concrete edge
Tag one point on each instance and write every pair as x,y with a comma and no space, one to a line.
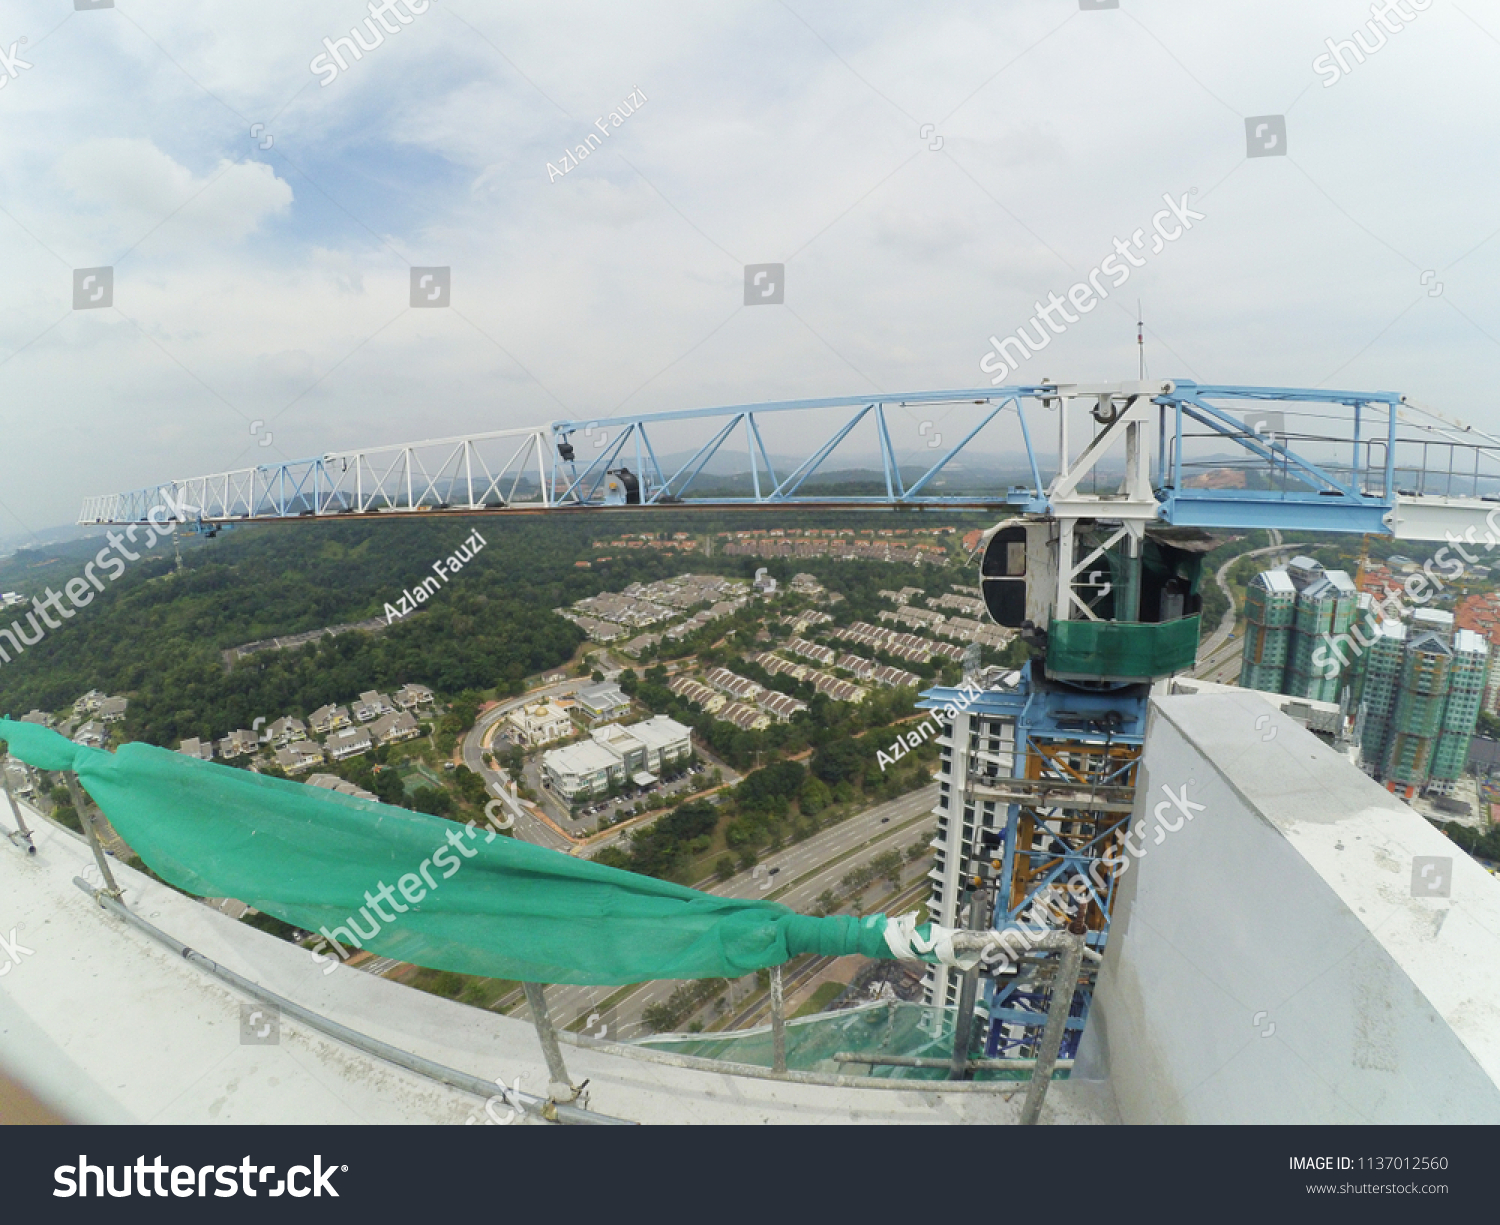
106,1025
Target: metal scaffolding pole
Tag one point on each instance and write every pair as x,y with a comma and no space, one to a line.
968,991
778,1023
81,806
562,1090
15,809
1064,984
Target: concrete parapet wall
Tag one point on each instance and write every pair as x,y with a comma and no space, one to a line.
1277,955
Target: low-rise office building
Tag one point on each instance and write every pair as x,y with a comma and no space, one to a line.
628,748
580,771
668,742
618,754
602,701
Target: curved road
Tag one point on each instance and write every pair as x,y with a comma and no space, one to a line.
528,827
1216,651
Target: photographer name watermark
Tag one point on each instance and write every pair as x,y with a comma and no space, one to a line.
571,157
445,569
929,727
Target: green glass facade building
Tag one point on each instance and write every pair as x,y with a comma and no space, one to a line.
1423,687
1270,604
1293,619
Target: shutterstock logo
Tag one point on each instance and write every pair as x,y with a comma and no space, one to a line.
190,1181
1432,876
431,286
1265,136
11,63
765,284
93,288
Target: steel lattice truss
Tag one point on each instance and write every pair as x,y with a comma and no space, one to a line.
1304,459
485,471
1046,847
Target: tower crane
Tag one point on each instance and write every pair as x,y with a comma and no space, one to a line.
1104,585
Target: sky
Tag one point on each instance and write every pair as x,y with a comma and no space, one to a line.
924,173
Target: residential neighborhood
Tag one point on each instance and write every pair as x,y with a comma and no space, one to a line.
691,601
330,733
89,724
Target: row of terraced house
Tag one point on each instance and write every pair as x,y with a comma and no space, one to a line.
730,698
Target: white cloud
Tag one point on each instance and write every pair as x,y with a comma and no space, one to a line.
279,276
128,187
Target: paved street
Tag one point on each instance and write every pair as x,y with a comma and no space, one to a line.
528,827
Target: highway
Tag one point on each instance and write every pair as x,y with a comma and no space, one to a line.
796,861
913,891
895,824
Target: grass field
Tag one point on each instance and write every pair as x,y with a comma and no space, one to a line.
821,998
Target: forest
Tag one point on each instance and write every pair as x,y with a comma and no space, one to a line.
157,635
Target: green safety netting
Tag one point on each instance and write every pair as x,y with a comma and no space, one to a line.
880,1029
428,891
1121,650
